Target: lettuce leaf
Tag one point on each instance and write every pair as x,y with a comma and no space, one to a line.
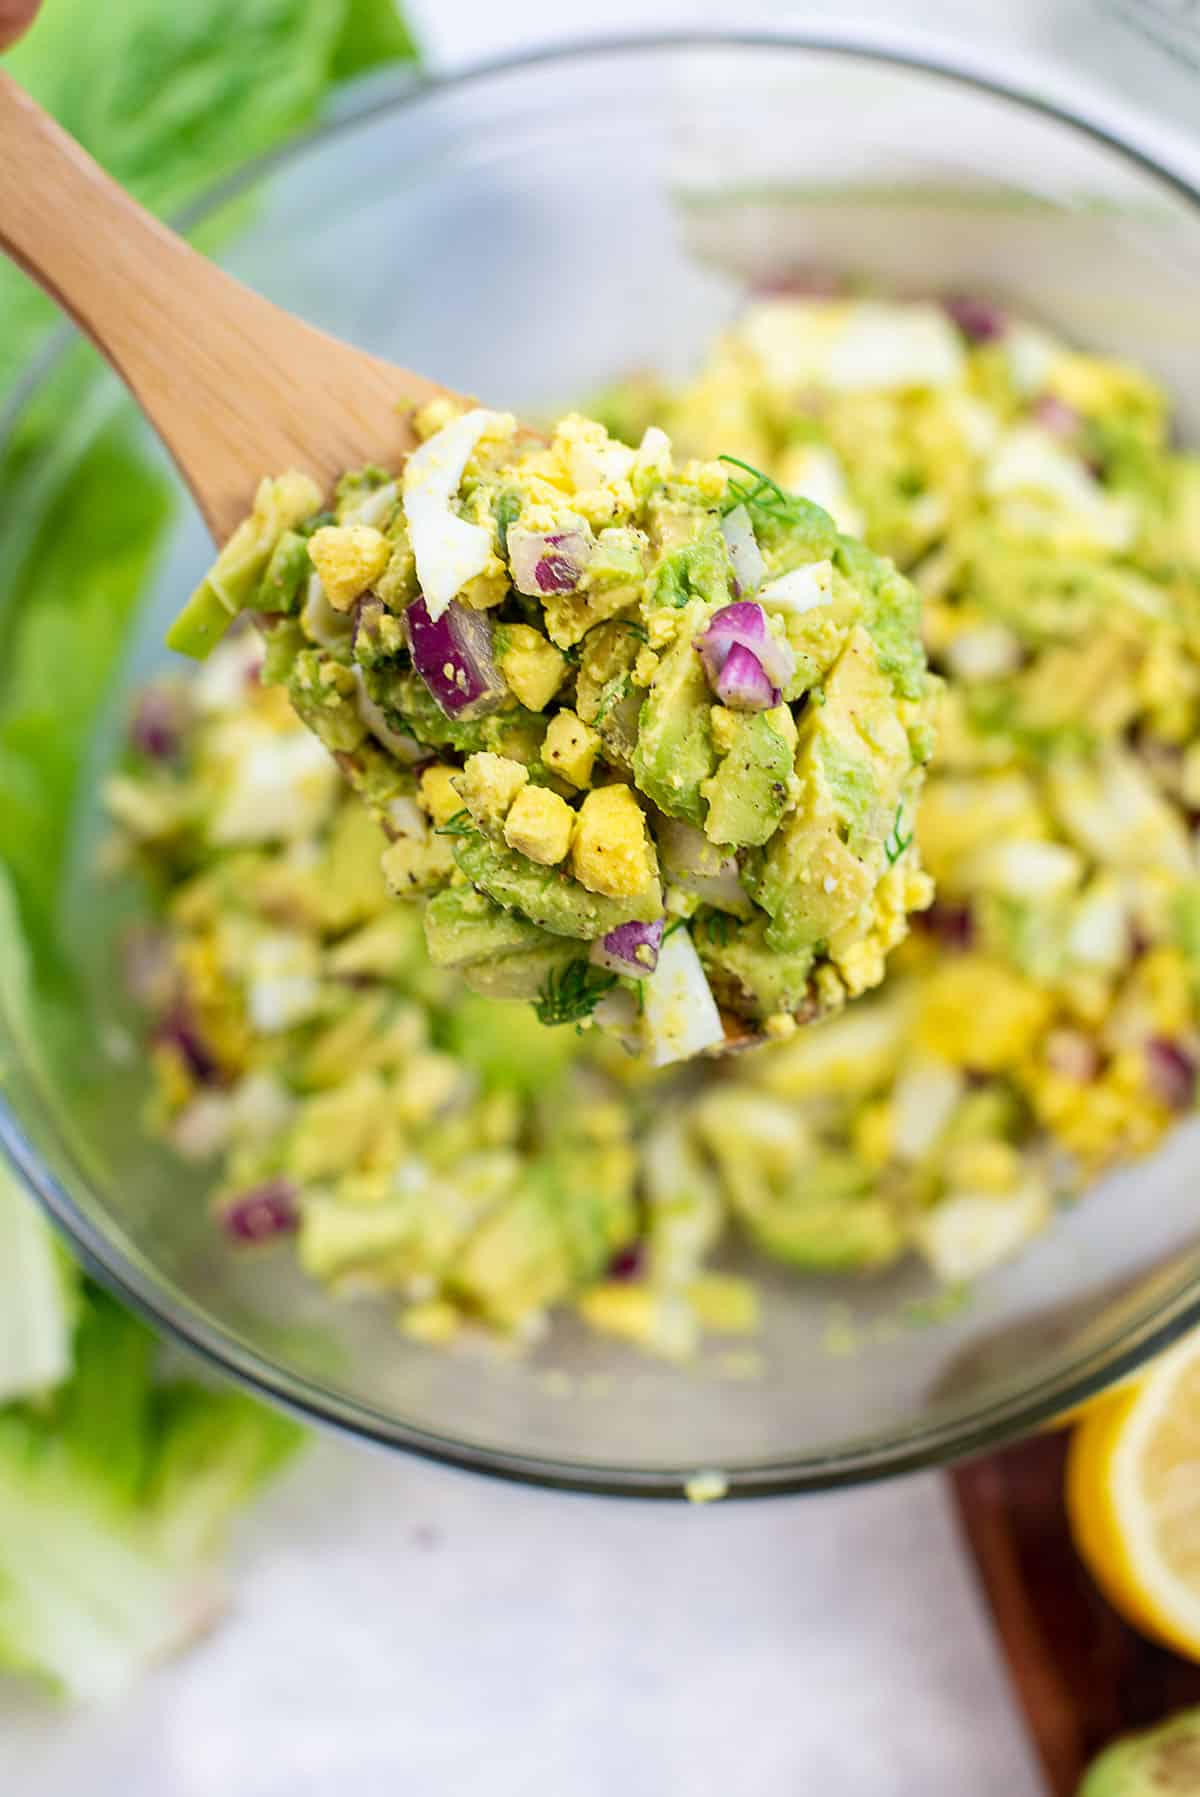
115,1498
115,1487
169,98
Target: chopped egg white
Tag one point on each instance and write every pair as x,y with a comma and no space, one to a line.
966,1233
1029,461
680,1016
800,591
448,550
814,471
278,787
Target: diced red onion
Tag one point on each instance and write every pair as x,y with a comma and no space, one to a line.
547,562
160,721
745,556
453,656
742,683
178,1030
628,1262
953,925
980,320
631,949
744,625
1056,416
801,283
263,1211
1172,1072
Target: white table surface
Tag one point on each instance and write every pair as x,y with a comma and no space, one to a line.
406,1630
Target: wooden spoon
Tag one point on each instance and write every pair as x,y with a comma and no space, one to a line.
235,387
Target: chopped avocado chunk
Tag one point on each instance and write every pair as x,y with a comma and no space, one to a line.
546,895
675,754
748,794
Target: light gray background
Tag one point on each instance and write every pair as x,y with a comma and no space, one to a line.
403,1630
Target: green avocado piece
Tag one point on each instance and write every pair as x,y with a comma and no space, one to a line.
545,895
521,975
517,1260
745,971
749,791
282,643
828,1220
675,754
233,582
509,1049
286,576
700,570
891,613
852,758
463,926
1163,1762
323,694
410,707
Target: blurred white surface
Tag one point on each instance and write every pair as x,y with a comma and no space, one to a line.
408,1631
400,1629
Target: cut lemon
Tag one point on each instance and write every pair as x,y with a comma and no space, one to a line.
1133,1498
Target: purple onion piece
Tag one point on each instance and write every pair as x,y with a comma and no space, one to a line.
628,1262
261,1212
953,925
742,683
801,283
547,562
178,1029
630,949
453,656
744,625
160,722
1056,416
980,320
1172,1073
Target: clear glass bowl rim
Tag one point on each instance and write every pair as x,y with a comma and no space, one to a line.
913,1447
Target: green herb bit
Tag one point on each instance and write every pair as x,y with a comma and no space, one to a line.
611,694
508,510
895,844
571,994
461,824
765,496
717,926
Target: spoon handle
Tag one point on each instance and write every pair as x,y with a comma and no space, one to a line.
235,387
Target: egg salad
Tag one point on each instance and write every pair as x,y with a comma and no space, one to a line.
645,735
1040,1023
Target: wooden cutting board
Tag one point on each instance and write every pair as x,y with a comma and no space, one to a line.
1081,1675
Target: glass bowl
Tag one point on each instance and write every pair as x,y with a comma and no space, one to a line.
528,231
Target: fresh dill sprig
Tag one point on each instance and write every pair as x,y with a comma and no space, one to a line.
762,495
611,694
571,994
717,926
461,824
896,843
678,923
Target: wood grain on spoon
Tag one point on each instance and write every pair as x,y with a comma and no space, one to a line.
235,387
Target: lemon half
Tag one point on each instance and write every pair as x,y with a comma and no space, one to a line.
1133,1498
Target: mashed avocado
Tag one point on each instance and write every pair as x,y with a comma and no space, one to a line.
590,641
328,1058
